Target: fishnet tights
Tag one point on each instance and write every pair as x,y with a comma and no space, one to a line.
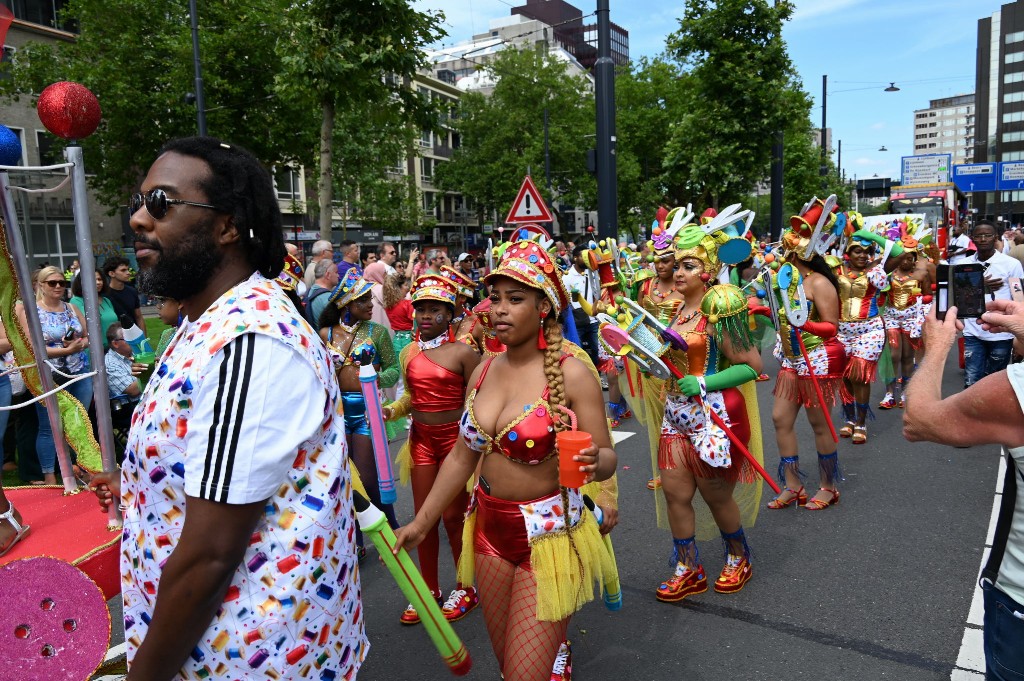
524,646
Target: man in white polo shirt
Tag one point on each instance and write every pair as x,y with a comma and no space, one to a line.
987,352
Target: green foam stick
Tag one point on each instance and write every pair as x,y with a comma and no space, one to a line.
410,581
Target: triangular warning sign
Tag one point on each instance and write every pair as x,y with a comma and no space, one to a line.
528,206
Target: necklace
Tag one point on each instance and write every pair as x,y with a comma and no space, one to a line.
657,291
681,320
433,342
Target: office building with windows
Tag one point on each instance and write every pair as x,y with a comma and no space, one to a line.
999,104
946,127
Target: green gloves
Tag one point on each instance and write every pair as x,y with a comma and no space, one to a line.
726,378
866,235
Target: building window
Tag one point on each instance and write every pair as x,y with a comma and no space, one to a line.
921,115
288,183
1013,57
1014,37
1011,97
49,154
427,169
1013,136
42,12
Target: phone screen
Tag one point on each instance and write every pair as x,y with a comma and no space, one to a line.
942,290
968,289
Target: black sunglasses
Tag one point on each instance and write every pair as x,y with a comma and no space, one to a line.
157,202
55,283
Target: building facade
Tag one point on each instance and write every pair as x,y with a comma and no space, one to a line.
999,104
946,127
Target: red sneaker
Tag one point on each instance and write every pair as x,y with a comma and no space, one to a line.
735,574
685,582
410,616
459,603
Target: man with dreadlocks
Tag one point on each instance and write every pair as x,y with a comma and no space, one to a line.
534,547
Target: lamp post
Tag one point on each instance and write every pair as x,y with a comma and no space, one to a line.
200,99
604,71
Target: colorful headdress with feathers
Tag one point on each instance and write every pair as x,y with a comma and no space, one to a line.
719,242
818,226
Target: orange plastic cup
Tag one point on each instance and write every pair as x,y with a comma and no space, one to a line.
570,443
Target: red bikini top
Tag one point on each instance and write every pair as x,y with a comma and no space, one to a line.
528,439
432,387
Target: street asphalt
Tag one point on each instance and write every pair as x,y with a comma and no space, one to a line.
877,587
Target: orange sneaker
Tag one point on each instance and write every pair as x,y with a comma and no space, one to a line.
685,582
410,616
735,574
459,603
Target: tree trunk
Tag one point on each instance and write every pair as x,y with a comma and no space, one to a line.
326,185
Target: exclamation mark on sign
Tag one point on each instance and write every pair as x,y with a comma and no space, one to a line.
529,208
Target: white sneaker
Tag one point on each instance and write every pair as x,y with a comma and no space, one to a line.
561,670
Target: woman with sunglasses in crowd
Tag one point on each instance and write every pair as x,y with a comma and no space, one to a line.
532,546
66,341
353,340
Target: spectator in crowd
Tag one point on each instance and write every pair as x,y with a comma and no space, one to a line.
326,278
322,250
387,254
107,313
75,268
369,259
260,393
419,264
349,258
1017,249
464,264
169,311
292,250
986,412
20,437
376,273
960,245
581,284
987,352
66,341
121,293
435,260
398,308
122,371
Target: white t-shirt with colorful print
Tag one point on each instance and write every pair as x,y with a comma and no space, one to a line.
243,407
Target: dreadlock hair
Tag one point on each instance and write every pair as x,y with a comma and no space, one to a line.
241,187
818,264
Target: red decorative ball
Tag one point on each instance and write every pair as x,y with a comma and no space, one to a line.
705,277
590,228
69,110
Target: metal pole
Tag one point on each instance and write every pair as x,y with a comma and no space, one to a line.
824,110
775,227
200,100
87,261
547,154
604,73
839,161
35,331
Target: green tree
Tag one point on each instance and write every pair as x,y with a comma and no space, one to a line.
340,56
740,77
503,134
136,56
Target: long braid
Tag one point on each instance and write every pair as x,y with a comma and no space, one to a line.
556,399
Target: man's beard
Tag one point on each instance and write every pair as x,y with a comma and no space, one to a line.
185,270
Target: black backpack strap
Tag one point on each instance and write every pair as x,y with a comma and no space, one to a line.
309,306
1006,509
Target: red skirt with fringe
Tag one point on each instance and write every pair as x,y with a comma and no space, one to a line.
675,450
794,382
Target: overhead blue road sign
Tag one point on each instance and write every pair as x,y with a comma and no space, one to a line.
1011,175
975,177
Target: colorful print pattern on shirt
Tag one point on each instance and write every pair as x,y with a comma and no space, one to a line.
293,609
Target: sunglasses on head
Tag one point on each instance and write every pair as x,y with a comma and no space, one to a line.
54,283
157,203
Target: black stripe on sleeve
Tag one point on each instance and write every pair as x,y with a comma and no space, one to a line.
234,376
211,436
250,346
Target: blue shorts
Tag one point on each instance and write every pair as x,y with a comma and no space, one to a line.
1004,631
355,414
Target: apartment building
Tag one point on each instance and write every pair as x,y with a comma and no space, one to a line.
946,126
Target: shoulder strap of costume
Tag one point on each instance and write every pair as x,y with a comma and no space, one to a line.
1006,509
483,373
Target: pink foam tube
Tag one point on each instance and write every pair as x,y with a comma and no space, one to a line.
379,437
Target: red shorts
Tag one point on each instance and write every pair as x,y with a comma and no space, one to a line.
429,445
501,529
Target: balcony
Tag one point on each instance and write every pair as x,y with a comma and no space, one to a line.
442,150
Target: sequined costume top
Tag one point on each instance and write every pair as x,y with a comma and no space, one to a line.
701,357
859,293
528,439
367,333
903,291
664,310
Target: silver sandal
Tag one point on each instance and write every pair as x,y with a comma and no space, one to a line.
19,530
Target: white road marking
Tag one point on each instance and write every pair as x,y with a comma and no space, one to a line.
970,663
619,435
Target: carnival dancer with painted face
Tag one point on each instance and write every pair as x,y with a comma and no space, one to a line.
812,360
910,286
862,283
352,340
435,369
535,548
658,295
465,324
719,365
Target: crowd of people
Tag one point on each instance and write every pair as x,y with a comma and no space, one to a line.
239,520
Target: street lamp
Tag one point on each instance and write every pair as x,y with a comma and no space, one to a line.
882,148
892,88
824,110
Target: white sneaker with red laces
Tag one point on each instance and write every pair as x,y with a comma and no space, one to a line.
561,670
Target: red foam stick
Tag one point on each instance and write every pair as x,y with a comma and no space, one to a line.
817,387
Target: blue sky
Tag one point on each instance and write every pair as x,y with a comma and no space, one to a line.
926,47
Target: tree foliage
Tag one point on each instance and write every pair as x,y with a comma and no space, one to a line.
739,75
502,134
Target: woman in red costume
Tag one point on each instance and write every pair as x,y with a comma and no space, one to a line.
536,549
435,370
794,386
719,365
465,322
